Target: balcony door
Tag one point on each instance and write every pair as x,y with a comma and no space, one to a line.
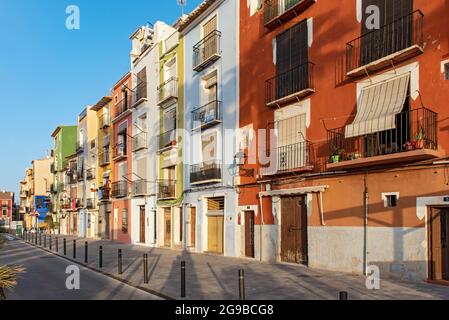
291,60
395,33
211,45
291,152
167,227
142,220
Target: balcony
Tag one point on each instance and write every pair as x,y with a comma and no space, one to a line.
119,189
79,203
79,147
278,12
415,138
140,142
391,44
91,203
90,174
80,174
66,205
139,188
171,42
167,140
119,152
53,189
166,190
207,115
206,173
52,168
104,121
207,51
104,193
122,107
104,158
168,92
294,84
139,94
288,159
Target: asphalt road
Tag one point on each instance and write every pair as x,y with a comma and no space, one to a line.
45,278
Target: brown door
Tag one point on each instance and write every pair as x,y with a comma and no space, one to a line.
215,234
181,223
249,234
142,225
167,226
192,227
439,246
294,230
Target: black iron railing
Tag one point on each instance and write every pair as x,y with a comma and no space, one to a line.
91,203
206,115
123,105
168,90
119,189
140,187
167,139
166,189
206,172
104,157
104,193
289,158
119,151
90,174
389,39
139,93
80,174
104,121
275,8
416,129
207,51
290,83
140,141
79,203
79,147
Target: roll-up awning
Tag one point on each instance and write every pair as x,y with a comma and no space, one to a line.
379,104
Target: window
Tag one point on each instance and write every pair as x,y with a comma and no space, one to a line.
390,200
446,71
210,26
116,99
125,221
170,120
209,147
141,91
215,204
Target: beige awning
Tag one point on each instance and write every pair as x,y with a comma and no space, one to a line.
379,104
293,191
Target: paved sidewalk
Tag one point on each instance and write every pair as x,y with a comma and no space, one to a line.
215,277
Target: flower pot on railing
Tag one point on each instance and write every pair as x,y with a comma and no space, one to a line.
335,159
419,144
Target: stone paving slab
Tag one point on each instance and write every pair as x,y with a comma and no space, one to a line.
210,277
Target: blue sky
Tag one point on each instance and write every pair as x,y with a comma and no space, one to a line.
48,74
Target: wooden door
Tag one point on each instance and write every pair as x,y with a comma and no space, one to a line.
294,230
215,234
167,227
192,227
142,225
249,234
115,224
438,244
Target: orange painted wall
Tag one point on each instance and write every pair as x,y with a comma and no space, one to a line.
333,28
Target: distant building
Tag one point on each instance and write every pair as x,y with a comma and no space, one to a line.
7,203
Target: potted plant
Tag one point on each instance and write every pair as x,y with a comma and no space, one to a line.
336,156
420,138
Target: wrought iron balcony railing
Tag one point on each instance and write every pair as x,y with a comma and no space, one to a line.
140,187
166,189
91,203
104,193
139,93
79,203
208,172
415,130
168,91
119,189
278,12
119,151
167,139
104,157
396,41
207,115
289,158
90,173
207,51
140,141
122,106
79,147
295,83
104,121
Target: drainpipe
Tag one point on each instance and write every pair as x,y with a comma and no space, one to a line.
365,227
261,221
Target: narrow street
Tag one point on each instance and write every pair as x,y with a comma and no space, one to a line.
45,278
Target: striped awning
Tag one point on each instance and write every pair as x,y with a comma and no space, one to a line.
379,104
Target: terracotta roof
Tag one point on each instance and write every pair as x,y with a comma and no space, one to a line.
100,104
6,195
196,13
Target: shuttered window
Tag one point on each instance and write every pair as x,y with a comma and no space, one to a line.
210,26
215,204
446,71
292,48
141,90
291,130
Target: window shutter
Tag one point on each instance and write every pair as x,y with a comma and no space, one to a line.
210,26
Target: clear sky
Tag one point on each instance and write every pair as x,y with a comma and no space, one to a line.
48,74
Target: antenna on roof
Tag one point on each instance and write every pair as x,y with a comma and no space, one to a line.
182,3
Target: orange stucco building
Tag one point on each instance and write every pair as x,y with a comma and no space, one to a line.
352,173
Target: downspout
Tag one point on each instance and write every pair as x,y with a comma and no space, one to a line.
261,222
365,227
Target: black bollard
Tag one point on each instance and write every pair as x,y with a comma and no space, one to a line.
65,246
183,279
51,242
119,263
86,252
242,284
57,245
74,249
101,257
343,295
145,269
